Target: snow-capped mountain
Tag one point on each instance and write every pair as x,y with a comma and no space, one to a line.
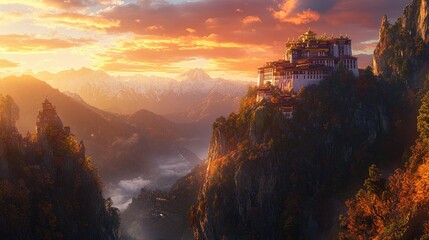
128,94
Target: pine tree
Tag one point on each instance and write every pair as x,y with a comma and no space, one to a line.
375,183
423,119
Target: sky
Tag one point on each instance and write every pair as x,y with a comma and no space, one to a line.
227,38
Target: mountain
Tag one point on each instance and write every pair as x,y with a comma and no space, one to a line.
273,178
195,75
403,47
147,120
207,110
49,188
120,150
127,95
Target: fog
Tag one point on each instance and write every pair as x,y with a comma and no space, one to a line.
163,178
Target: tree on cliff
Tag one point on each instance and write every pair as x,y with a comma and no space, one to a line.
423,119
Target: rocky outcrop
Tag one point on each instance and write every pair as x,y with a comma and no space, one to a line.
403,47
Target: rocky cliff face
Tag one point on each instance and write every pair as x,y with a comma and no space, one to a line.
403,47
272,178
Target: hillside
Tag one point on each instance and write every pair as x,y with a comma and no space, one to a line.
119,150
49,188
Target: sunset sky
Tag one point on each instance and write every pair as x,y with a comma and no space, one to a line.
228,38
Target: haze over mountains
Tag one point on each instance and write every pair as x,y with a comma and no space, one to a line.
193,99
126,95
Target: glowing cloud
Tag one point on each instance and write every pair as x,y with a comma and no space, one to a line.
154,27
78,4
81,21
4,63
9,17
287,13
141,54
251,19
28,43
191,30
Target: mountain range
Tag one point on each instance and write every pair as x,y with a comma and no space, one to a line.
128,94
193,100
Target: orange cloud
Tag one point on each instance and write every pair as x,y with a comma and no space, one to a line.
286,13
247,67
304,17
191,30
211,21
154,28
81,21
251,19
4,63
79,4
164,54
9,17
28,43
286,8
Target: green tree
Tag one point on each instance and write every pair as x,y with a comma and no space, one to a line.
423,119
375,183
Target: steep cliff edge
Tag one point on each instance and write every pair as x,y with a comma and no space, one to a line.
273,178
403,48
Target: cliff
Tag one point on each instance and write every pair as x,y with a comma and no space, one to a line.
273,178
403,47
49,188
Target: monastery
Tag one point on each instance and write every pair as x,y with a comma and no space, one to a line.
307,61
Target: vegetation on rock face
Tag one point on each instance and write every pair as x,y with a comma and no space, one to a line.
394,208
273,178
397,207
48,187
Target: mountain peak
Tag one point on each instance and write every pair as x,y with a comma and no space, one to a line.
196,74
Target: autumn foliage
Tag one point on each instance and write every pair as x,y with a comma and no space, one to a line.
397,207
